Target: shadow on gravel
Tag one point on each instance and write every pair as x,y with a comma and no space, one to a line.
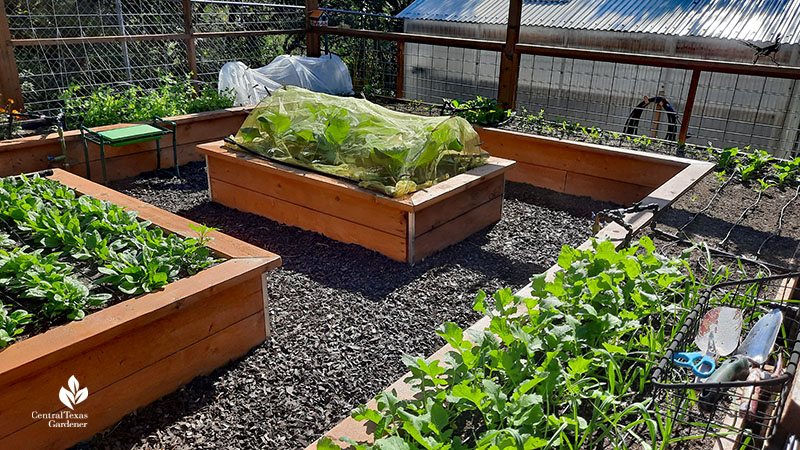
354,268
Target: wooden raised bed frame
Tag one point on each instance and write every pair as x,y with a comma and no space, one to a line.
406,229
134,352
598,171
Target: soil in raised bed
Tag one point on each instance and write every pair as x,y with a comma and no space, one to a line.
712,225
342,317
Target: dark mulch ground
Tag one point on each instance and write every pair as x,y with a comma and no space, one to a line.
342,317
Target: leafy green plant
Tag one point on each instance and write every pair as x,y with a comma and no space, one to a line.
753,164
383,150
480,111
55,230
8,125
566,368
106,105
12,323
787,171
44,279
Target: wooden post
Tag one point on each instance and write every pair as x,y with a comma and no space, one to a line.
9,75
312,37
401,52
191,49
509,59
687,110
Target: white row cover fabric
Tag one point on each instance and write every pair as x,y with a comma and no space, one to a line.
326,74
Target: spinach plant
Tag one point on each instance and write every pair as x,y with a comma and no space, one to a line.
54,230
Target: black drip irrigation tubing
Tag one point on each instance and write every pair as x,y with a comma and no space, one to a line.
741,217
632,124
780,221
716,251
708,205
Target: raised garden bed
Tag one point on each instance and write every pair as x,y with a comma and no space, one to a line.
601,172
130,354
408,229
33,153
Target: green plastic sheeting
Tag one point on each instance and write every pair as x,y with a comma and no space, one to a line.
383,150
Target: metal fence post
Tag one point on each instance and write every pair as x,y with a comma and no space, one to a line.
687,110
509,58
9,75
312,37
191,49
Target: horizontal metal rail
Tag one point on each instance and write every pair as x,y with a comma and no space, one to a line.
670,62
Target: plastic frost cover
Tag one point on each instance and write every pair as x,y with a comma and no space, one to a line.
386,151
326,74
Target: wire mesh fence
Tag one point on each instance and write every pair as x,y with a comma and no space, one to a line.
730,110
254,51
243,15
48,67
434,72
372,62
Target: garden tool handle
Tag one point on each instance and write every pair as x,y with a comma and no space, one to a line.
734,368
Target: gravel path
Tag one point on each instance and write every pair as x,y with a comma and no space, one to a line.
342,317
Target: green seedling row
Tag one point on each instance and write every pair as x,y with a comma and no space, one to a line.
50,230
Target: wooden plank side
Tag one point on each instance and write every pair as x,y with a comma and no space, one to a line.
433,216
539,176
117,319
458,229
108,405
220,242
439,192
99,364
604,189
287,187
290,214
646,169
215,150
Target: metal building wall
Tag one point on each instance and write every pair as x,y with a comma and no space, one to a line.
730,110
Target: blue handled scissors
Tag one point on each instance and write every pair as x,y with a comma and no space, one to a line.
702,364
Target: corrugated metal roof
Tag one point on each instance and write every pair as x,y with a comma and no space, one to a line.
750,20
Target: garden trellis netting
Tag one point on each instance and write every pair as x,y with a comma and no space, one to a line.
382,150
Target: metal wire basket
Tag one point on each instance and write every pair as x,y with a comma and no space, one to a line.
747,411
